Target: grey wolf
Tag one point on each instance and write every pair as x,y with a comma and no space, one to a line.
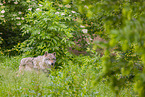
40,63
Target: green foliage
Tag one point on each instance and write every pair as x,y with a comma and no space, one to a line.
12,17
75,79
51,29
131,42
124,52
56,26
8,62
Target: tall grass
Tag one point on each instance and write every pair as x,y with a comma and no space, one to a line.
76,79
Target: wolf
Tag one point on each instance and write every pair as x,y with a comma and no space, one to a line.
40,63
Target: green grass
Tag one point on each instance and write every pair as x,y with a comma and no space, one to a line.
73,80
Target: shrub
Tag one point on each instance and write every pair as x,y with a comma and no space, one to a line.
51,29
12,17
123,23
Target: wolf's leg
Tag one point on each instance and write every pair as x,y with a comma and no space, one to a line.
21,69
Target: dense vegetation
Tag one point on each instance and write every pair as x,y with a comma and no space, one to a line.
99,46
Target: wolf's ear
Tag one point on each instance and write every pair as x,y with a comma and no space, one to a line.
54,53
46,53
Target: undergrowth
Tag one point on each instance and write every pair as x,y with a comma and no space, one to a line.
75,79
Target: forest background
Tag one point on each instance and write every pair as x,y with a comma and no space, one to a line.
99,46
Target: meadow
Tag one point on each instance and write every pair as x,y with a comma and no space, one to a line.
71,80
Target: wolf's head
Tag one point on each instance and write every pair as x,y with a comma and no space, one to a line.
49,58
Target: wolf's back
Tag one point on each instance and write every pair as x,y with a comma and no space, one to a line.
26,61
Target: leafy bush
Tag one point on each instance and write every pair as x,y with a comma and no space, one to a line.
123,23
12,17
51,29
